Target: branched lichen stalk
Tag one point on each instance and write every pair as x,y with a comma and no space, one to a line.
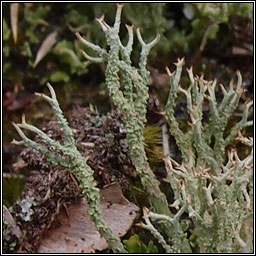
198,138
183,140
67,155
218,192
149,226
130,96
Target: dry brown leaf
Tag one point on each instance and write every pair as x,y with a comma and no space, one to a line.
240,51
46,46
14,13
15,230
74,232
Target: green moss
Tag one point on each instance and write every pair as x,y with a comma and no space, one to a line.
153,144
12,188
135,245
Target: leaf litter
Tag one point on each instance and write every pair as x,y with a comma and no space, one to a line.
74,232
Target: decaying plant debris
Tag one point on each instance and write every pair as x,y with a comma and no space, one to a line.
100,138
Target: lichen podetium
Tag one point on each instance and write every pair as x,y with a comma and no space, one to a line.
132,102
67,155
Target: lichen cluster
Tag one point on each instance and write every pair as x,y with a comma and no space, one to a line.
212,185
67,155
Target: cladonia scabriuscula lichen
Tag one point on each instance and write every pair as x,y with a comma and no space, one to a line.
213,186
67,155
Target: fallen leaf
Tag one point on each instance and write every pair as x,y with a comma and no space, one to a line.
15,230
46,46
240,51
14,13
74,232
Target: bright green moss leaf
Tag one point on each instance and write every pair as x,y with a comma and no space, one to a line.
59,76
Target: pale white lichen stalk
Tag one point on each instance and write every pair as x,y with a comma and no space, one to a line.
150,227
179,237
198,138
67,155
219,191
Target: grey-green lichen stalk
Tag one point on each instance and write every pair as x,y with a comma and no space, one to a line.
198,138
150,227
130,96
212,187
67,155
